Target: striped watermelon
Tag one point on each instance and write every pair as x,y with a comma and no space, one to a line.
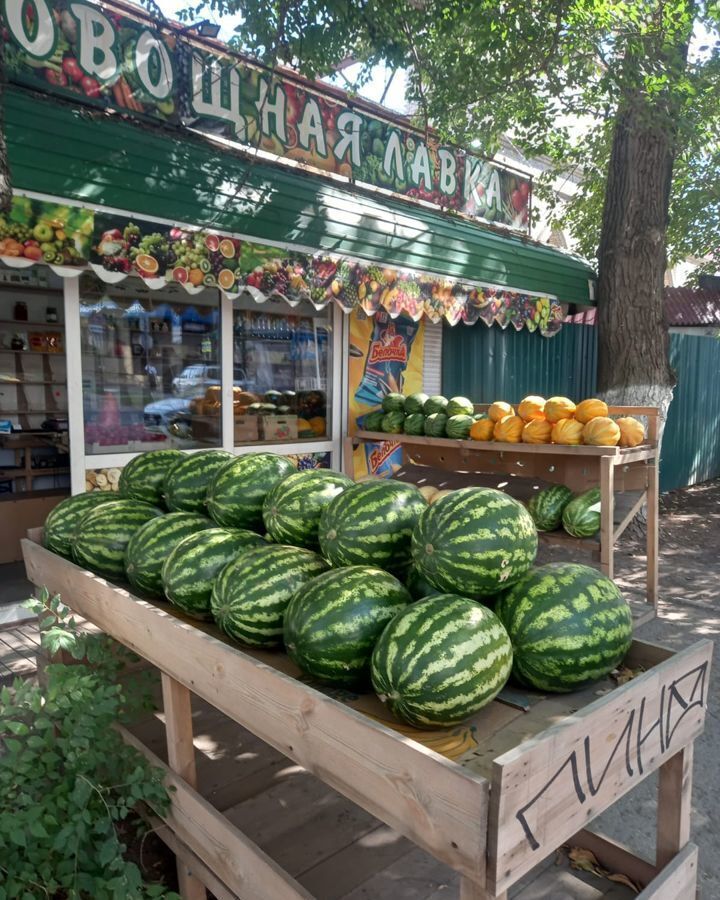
373,421
252,592
417,585
333,622
186,484
292,509
392,422
393,402
474,542
143,478
371,523
440,660
458,426
581,517
569,625
62,522
238,490
546,507
104,533
414,423
415,403
150,545
191,568
435,404
435,425
459,406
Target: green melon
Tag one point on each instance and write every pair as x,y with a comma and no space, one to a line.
546,506
435,425
393,402
371,523
373,421
104,533
458,426
62,522
333,622
569,625
414,423
292,509
459,406
393,422
238,490
581,516
474,542
435,404
143,478
251,593
415,403
151,544
186,484
440,660
190,570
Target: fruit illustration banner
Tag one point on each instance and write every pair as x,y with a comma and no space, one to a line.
97,54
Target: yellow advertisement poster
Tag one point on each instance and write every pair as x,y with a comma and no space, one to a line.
385,355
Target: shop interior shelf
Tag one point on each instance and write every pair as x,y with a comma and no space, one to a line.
35,411
33,473
59,353
28,383
20,325
33,495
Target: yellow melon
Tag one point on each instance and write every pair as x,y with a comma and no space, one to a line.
482,429
567,431
557,408
499,409
509,429
601,432
632,431
590,409
538,431
532,408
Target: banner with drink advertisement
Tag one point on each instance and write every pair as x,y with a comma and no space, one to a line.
385,354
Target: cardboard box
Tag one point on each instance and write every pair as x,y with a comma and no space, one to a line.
279,428
246,429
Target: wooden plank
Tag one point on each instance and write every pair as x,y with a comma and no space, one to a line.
607,510
674,806
614,856
634,510
425,796
230,855
653,535
548,788
677,880
470,890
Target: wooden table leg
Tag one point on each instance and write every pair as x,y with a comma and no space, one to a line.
471,890
674,805
181,759
607,516
653,526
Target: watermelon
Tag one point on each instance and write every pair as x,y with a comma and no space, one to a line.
291,511
392,422
418,586
414,423
546,507
186,484
62,522
251,593
435,425
371,523
569,625
458,426
440,660
435,404
581,517
474,542
149,547
191,568
459,406
104,533
333,622
143,478
373,421
238,490
477,416
415,403
393,402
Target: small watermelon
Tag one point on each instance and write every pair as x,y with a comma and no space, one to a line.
435,404
458,426
191,568
546,507
373,421
333,622
237,492
435,425
415,403
581,516
292,509
143,478
251,593
414,423
151,544
392,422
459,406
569,625
186,484
440,660
371,523
62,522
393,402
418,586
474,542
104,533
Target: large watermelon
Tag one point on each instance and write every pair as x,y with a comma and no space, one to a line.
440,660
371,523
143,478
104,533
393,402
151,544
435,425
333,622
569,625
186,484
474,542
435,404
459,406
458,426
415,403
238,490
414,423
546,507
62,523
418,586
581,517
292,509
191,568
373,421
252,592
393,422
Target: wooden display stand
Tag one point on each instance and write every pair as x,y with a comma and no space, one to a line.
526,783
628,479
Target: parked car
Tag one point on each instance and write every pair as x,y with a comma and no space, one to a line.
193,380
161,414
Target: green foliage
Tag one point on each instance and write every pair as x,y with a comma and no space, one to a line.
67,779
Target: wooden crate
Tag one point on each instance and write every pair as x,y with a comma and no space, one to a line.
514,783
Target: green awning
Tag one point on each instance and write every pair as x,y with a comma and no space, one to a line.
101,160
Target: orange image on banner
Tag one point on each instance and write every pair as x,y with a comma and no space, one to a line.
385,355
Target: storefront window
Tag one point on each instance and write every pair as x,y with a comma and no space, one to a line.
282,358
150,366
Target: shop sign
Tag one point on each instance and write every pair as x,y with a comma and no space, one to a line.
100,56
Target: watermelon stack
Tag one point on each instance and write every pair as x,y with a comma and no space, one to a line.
186,484
104,533
238,490
62,523
292,509
143,478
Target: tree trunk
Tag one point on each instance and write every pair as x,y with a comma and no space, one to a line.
5,187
